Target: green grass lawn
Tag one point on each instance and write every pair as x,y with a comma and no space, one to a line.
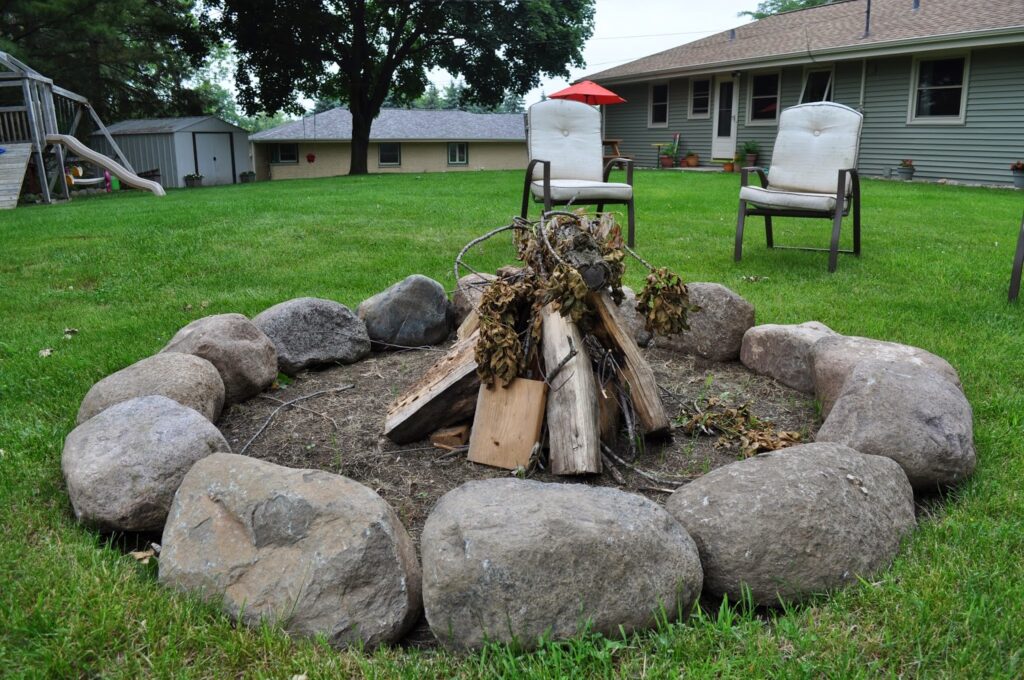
127,271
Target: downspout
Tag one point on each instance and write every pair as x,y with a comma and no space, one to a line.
863,80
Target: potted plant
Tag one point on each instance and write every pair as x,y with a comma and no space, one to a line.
692,159
247,176
750,151
193,179
670,153
906,169
729,166
1017,171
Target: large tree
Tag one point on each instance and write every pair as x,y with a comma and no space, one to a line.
770,7
359,51
130,58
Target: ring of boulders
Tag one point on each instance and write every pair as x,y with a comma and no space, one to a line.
508,559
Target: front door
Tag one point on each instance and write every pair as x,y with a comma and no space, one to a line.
723,141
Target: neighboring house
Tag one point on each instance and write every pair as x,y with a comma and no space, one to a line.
176,147
401,140
939,81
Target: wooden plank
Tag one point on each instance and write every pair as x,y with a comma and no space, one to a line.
608,413
572,408
446,394
450,436
636,372
507,423
13,164
468,325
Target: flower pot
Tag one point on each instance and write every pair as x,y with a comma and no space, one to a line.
728,167
667,161
905,173
247,177
1018,180
750,159
692,161
191,182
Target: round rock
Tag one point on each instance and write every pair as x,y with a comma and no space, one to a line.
411,313
123,465
187,379
243,354
783,352
317,553
716,331
795,522
507,559
309,332
834,356
909,413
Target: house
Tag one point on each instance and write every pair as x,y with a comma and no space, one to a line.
175,147
940,82
401,140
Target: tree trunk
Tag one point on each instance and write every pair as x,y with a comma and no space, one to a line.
361,123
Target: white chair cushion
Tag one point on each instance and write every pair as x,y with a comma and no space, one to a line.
569,189
814,142
797,200
568,134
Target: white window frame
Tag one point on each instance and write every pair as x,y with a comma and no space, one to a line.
831,71
380,148
915,74
750,99
456,146
275,154
711,93
650,104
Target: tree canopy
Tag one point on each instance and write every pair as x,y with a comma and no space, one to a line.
770,7
364,52
130,58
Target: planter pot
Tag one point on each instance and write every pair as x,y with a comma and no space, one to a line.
1018,180
728,167
751,160
692,161
247,178
191,182
905,173
667,161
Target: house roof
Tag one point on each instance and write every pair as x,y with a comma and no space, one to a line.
402,125
153,126
833,30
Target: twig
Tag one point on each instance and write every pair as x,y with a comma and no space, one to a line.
326,417
640,471
480,239
561,364
641,260
655,488
429,348
609,465
285,405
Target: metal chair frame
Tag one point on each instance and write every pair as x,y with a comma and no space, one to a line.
1018,264
841,210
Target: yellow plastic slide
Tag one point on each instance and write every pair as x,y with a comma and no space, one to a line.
106,162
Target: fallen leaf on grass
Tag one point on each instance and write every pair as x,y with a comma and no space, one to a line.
45,352
142,556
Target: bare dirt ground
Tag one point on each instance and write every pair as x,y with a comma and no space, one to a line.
340,430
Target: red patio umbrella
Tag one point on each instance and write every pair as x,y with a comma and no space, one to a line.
588,92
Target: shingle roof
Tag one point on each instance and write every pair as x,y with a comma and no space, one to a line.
402,124
838,26
154,125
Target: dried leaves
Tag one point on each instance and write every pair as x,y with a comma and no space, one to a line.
664,303
736,426
499,353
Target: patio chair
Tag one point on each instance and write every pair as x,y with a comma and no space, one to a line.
564,140
813,174
1018,264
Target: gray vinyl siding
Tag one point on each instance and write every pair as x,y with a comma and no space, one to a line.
978,151
145,152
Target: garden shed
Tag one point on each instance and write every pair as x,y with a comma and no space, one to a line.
175,147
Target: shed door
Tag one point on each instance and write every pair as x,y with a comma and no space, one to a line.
214,157
723,143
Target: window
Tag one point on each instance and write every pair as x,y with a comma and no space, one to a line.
764,99
284,153
389,153
700,98
458,153
817,87
939,93
658,109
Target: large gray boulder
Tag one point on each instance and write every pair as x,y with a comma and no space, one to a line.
467,294
187,379
123,465
412,313
834,356
507,559
795,522
315,552
243,354
783,352
909,413
309,332
716,331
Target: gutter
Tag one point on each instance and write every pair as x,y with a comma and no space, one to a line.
1003,36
